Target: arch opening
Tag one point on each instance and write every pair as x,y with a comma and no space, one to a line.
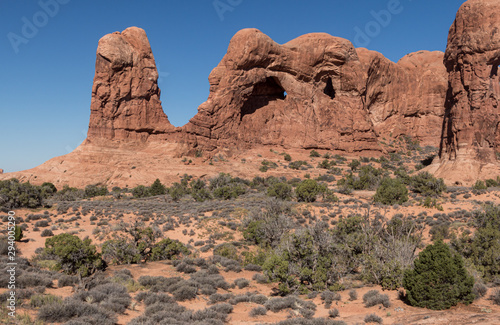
329,90
263,93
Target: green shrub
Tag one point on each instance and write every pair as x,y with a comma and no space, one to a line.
354,165
391,191
282,191
427,185
314,154
227,250
297,164
308,190
483,247
140,191
120,251
287,157
73,255
479,185
438,280
95,190
14,194
168,249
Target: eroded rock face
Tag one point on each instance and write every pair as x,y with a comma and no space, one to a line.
472,59
406,98
306,93
125,95
317,91
471,133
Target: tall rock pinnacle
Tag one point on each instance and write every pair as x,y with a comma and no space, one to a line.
125,95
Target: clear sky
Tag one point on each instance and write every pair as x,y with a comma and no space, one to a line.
48,47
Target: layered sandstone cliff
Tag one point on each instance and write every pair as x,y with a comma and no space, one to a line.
471,127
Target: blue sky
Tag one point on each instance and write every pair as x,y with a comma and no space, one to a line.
47,70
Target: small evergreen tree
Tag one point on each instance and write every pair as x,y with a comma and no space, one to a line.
18,233
281,191
438,280
308,190
157,188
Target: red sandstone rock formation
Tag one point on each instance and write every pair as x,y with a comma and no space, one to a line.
406,98
125,96
471,129
315,91
306,93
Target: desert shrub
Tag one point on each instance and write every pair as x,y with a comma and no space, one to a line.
479,185
391,191
241,283
185,268
185,292
479,290
229,192
333,313
495,297
140,191
329,296
308,190
287,157
120,251
111,296
219,297
95,190
282,191
258,311
199,190
227,250
168,249
73,255
314,154
482,247
354,165
266,227
73,309
291,302
47,233
33,279
42,223
353,295
14,194
374,297
427,185
440,231
69,194
439,279
67,280
368,178
372,318
39,300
